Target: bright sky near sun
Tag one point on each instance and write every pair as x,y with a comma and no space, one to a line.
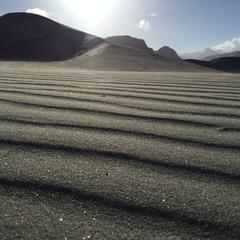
186,25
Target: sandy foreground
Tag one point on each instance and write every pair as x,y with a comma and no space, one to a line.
118,155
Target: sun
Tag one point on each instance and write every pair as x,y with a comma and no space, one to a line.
92,12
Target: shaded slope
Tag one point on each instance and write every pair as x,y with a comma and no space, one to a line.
227,64
27,36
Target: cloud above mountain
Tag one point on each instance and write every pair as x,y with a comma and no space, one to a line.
38,11
153,14
228,46
144,25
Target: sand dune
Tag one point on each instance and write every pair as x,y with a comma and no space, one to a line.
118,155
27,36
107,56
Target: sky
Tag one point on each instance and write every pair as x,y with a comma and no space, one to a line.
185,25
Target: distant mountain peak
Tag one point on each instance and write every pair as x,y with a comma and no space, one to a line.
222,55
168,52
199,55
129,41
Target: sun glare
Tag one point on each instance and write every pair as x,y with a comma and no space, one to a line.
91,12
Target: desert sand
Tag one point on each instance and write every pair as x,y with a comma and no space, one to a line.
118,155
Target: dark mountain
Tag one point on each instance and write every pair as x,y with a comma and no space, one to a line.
130,42
228,64
27,36
168,53
223,55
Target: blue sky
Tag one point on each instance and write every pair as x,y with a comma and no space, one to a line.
186,25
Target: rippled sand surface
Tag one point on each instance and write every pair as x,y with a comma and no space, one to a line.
118,155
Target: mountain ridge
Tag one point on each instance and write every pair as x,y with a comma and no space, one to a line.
36,38
199,55
222,55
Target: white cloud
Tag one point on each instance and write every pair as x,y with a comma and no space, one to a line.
144,25
153,14
38,11
228,46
